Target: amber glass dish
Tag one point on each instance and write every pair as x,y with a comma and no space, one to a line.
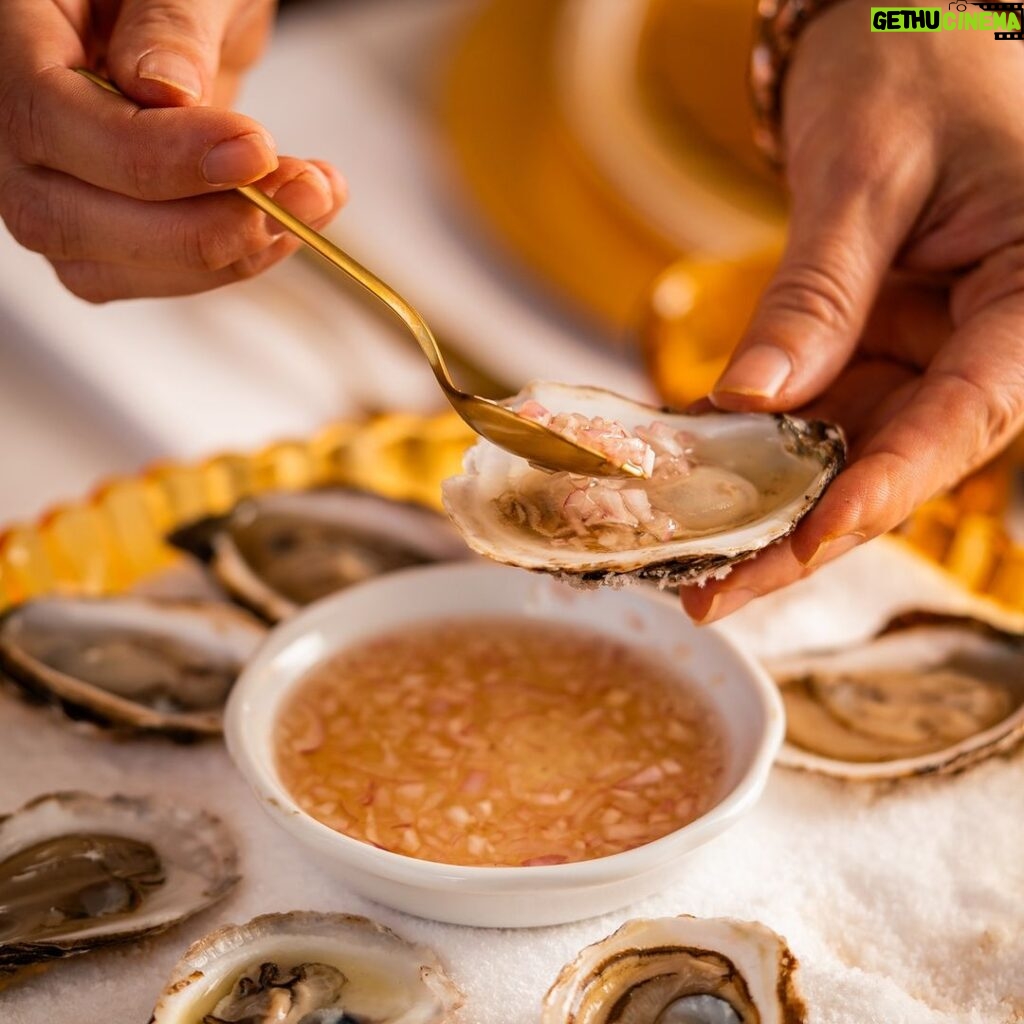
114,537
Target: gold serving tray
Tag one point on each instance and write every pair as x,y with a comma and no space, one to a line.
114,537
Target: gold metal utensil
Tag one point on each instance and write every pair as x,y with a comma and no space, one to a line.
500,425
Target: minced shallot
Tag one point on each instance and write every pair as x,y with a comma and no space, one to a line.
499,742
680,496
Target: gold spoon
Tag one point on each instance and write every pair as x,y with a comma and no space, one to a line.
502,426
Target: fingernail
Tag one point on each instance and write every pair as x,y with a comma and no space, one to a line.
761,372
726,602
239,161
832,547
308,196
172,69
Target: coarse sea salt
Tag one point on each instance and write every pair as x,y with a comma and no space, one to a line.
902,905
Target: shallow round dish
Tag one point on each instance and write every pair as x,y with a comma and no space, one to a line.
746,699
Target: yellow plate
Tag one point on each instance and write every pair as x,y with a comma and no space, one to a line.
114,538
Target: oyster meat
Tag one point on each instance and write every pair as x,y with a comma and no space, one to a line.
680,970
131,664
307,968
79,871
278,552
930,693
720,488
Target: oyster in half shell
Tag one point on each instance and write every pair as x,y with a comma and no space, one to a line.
930,693
79,871
722,487
307,968
278,552
131,664
680,970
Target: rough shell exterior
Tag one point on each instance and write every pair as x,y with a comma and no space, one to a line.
407,980
233,633
818,447
197,855
759,978
996,741
215,540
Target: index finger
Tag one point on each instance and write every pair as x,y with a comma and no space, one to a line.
968,405
60,120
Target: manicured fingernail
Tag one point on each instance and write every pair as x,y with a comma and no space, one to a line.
832,547
172,69
760,372
308,196
725,603
239,161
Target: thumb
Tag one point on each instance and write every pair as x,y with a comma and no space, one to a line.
810,316
167,52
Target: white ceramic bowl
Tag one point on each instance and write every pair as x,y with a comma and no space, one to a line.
505,896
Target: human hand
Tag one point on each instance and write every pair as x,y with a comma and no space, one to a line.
898,307
126,202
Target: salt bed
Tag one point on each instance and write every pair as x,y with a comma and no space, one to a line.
904,906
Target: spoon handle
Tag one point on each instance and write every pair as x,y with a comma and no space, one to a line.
355,270
340,259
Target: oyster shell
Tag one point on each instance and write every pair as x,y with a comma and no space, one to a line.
931,693
307,968
278,552
131,664
79,871
680,970
746,482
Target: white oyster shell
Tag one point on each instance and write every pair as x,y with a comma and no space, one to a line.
789,461
277,552
931,693
386,979
719,970
197,865
131,664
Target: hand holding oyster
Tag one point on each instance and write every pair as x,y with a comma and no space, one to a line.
717,489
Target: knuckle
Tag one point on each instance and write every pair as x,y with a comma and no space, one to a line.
250,266
818,289
11,110
999,276
83,280
163,15
144,168
22,209
36,215
21,117
992,413
207,250
211,244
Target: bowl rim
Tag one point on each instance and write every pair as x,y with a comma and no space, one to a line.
254,761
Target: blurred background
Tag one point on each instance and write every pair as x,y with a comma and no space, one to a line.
543,178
